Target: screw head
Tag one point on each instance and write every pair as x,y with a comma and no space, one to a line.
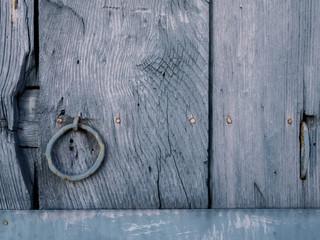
59,120
118,120
192,120
289,121
229,120
5,222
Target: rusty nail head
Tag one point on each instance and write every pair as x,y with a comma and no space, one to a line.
289,121
118,120
229,120
59,120
192,120
5,222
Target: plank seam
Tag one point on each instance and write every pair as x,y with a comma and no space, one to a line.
210,98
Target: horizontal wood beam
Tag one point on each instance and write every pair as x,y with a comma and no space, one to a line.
161,224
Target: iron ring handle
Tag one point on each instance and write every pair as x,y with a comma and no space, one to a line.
74,126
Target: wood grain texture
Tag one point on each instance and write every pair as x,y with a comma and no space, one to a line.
15,41
311,33
311,185
257,78
28,131
144,62
31,79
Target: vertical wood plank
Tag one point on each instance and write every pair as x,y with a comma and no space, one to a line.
31,79
15,41
257,78
141,62
311,33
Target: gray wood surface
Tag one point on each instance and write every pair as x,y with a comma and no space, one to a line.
145,62
311,31
311,189
28,130
311,186
31,79
15,63
257,80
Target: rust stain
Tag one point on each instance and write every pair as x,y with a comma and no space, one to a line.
229,120
192,120
59,120
14,6
118,120
302,134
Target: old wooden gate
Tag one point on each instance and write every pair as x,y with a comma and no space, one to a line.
200,104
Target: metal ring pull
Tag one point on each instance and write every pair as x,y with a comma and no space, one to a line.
74,126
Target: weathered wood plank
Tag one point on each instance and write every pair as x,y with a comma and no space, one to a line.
28,104
165,224
311,45
15,179
145,63
30,155
15,41
311,185
257,78
28,134
31,79
28,131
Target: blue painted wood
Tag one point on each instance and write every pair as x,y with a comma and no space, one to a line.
161,224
